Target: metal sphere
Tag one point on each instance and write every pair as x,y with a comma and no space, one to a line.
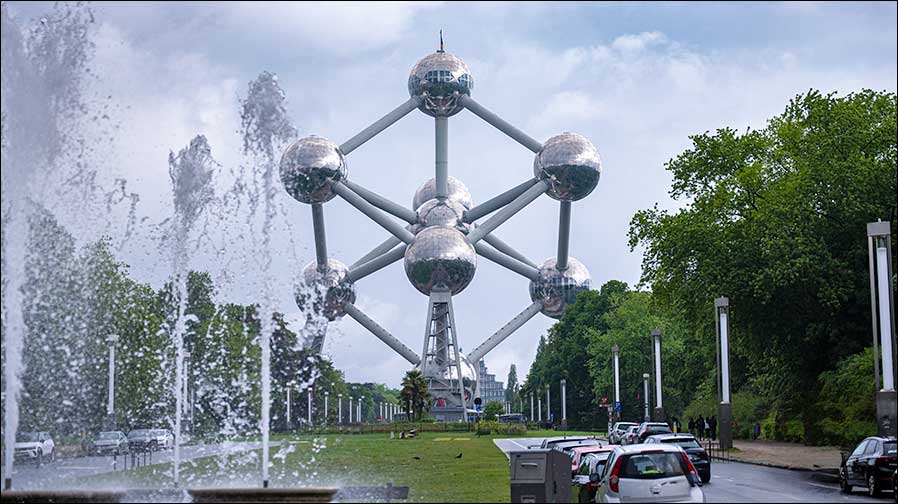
457,192
441,213
558,289
309,166
448,373
325,290
571,164
441,257
439,79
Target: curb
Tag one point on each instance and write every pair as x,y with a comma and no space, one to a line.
823,474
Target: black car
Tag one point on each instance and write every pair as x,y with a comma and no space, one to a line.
871,465
586,481
647,429
693,449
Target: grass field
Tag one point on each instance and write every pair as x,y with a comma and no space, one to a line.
436,466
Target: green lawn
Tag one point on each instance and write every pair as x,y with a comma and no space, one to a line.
429,465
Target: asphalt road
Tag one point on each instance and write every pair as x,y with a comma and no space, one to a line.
66,472
737,482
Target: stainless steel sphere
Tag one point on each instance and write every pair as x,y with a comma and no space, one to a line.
439,79
571,164
468,373
457,192
309,166
325,290
441,213
558,289
440,258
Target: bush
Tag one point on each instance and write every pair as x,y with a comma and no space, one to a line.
486,428
846,406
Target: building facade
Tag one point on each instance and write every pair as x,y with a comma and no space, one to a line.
490,389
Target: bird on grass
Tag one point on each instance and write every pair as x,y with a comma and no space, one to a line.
459,455
416,457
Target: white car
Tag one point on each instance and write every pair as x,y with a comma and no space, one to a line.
616,435
114,442
649,473
629,436
36,446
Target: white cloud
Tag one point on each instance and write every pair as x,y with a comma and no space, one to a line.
638,41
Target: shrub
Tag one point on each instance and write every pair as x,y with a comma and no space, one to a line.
485,428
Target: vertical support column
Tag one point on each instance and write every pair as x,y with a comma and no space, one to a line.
326,394
442,156
359,418
110,400
549,405
539,409
564,235
645,400
320,236
615,356
309,407
350,410
531,406
563,404
724,409
882,303
659,403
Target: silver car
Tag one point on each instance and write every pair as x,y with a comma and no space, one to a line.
112,442
150,440
649,473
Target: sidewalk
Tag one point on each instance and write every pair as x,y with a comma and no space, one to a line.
787,455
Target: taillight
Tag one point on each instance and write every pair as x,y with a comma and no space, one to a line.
884,460
689,467
614,480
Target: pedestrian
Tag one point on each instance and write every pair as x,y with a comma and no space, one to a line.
691,426
676,426
707,428
713,425
701,427
757,430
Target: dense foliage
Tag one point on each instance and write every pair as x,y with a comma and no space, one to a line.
775,219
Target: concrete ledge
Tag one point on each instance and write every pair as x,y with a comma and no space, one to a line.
200,495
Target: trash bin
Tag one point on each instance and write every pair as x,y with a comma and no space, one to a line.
540,475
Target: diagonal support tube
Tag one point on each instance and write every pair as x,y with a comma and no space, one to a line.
380,125
379,250
506,261
506,213
500,124
376,264
506,249
320,237
383,203
564,235
506,331
373,212
381,333
493,204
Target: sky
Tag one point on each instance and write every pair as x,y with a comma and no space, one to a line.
637,79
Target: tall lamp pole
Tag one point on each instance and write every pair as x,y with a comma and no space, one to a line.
882,304
110,401
326,394
615,356
339,409
659,405
563,404
724,408
645,400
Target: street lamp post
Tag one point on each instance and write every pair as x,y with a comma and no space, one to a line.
350,410
339,409
615,356
659,404
326,394
725,408
563,404
539,409
309,407
645,392
289,387
882,303
548,405
110,401
359,416
531,406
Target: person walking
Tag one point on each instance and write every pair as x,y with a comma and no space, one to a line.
691,426
713,425
701,427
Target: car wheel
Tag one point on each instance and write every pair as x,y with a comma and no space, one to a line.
872,485
843,481
706,479
40,458
53,455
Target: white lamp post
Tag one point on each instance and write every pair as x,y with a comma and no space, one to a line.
659,403
110,401
548,405
339,409
350,410
289,387
563,404
615,356
882,304
326,394
645,391
309,406
359,416
724,409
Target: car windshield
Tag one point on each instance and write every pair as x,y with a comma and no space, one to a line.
651,466
684,443
27,437
889,447
654,429
138,433
106,436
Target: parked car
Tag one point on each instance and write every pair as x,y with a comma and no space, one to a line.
629,436
577,453
691,446
616,435
871,465
647,429
515,418
35,446
551,441
895,485
150,440
567,446
589,471
114,442
649,473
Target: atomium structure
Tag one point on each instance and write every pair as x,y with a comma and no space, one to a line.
440,237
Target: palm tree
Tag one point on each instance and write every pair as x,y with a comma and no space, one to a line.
415,393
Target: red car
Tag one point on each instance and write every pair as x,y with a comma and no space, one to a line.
578,452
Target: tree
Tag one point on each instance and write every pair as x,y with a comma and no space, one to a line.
415,393
511,385
492,410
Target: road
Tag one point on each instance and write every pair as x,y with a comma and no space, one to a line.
27,476
737,482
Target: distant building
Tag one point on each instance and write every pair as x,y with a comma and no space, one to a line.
490,389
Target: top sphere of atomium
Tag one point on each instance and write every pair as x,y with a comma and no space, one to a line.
439,79
456,189
571,164
441,257
557,289
309,166
325,290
